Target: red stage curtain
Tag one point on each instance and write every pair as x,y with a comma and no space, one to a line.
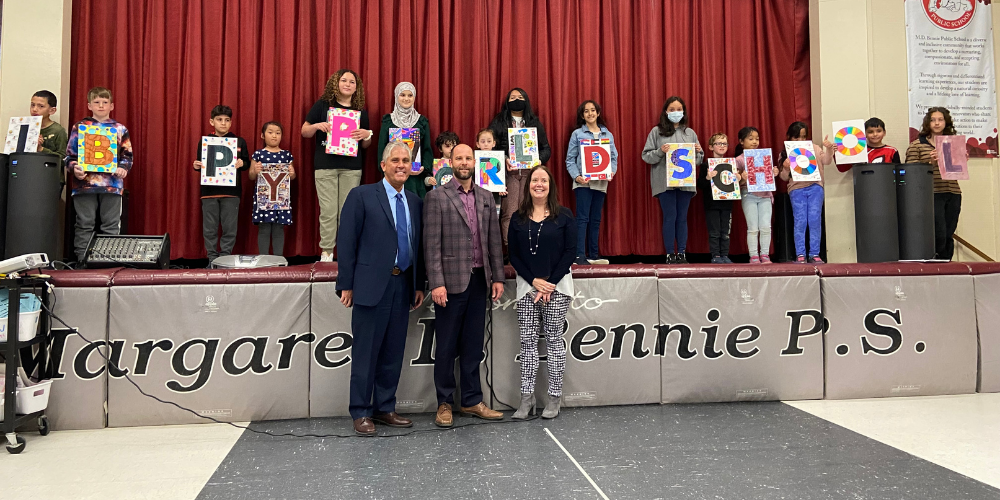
735,62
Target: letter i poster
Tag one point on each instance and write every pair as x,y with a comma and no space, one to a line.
97,147
680,165
490,172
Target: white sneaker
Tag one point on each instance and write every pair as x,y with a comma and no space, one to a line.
602,262
326,257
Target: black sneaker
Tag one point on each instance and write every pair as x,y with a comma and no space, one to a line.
671,258
581,261
680,259
726,260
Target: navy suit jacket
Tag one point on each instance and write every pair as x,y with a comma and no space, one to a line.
366,244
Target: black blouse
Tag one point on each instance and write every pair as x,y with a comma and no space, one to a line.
556,240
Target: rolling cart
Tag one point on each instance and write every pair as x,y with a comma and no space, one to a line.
11,350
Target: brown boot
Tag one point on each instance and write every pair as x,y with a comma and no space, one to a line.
481,411
443,418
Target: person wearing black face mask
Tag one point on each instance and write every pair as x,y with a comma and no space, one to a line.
516,112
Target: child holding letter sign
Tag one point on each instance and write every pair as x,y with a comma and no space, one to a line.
516,112
220,204
271,223
97,192
947,194
806,195
718,212
674,201
336,175
756,204
587,152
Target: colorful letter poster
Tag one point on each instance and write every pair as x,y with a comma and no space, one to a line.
491,173
274,187
22,134
953,158
218,158
439,164
725,184
342,123
852,145
97,148
680,165
760,170
410,137
802,161
523,146
596,155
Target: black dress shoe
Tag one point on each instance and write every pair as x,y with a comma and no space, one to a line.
392,419
364,426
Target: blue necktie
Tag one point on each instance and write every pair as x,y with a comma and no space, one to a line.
402,235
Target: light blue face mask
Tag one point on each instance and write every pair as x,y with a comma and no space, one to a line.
675,116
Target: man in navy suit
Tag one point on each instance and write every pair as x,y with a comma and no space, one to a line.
381,274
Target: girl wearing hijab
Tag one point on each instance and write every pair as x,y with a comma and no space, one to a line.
404,115
516,112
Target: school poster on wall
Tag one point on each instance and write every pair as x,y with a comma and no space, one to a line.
949,45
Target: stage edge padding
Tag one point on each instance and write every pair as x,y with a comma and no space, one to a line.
739,339
81,378
988,319
235,352
899,335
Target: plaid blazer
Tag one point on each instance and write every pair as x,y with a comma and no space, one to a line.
448,238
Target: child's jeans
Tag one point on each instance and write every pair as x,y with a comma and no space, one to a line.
88,206
807,208
757,211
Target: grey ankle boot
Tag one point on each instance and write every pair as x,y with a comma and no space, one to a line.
552,408
527,405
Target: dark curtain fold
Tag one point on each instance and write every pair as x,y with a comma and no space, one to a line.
735,62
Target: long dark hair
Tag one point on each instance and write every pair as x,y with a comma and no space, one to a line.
795,130
949,126
743,134
579,113
553,201
667,127
502,119
332,90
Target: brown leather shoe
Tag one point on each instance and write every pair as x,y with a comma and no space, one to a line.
392,419
364,426
443,418
481,411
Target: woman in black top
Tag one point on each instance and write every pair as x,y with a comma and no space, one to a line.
542,246
336,175
516,112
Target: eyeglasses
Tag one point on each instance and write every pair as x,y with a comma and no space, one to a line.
721,144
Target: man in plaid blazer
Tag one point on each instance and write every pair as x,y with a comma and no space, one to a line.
463,255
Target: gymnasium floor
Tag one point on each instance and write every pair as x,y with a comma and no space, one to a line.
940,448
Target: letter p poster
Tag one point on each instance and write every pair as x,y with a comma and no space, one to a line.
680,165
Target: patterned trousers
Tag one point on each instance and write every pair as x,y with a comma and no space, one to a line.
533,318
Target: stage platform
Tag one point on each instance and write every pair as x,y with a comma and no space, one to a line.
267,344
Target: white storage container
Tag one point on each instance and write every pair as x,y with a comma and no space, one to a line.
33,398
27,325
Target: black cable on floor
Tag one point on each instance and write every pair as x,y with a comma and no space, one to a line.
272,434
